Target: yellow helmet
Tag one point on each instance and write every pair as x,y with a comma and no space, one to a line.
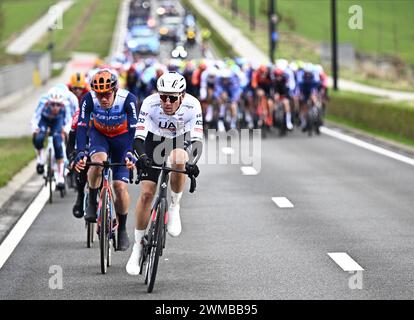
78,80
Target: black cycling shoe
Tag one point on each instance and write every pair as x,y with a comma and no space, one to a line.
78,209
40,168
123,240
90,215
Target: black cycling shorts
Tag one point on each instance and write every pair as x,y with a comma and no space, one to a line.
157,147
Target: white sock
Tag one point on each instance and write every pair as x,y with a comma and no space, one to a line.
61,167
288,117
138,235
40,156
175,198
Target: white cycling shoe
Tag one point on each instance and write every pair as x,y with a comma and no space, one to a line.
174,221
133,266
289,126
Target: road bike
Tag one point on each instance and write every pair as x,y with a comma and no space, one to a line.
50,175
107,223
155,236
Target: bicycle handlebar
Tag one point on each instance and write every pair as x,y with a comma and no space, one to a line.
193,182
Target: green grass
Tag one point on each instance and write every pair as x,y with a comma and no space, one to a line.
19,14
292,47
15,154
366,129
87,27
381,117
15,17
388,27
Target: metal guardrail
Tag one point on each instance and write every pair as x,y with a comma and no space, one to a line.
35,71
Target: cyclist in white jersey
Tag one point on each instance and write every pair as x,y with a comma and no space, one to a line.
170,123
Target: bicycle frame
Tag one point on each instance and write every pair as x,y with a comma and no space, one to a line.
106,186
106,227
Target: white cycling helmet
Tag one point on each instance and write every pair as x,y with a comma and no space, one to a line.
225,73
171,82
56,95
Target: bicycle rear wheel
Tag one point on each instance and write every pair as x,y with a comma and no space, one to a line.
103,233
156,244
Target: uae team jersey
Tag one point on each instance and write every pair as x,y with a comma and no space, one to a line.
187,118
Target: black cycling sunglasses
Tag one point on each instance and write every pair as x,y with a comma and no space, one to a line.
172,99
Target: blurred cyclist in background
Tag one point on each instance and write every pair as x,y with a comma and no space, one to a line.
52,115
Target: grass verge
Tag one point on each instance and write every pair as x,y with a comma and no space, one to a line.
389,120
15,154
87,27
15,17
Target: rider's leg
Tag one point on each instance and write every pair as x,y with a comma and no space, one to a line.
142,213
38,140
234,109
99,149
94,181
178,158
56,132
286,105
271,105
121,208
81,179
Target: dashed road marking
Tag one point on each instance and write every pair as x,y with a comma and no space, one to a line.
345,261
249,171
282,202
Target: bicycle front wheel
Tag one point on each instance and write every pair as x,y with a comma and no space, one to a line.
156,244
103,232
90,230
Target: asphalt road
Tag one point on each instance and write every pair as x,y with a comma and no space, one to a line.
237,244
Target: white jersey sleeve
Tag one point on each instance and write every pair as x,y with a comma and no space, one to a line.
73,102
144,118
196,122
68,117
38,113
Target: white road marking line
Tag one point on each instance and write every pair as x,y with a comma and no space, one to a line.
227,150
17,233
345,261
282,202
248,171
367,146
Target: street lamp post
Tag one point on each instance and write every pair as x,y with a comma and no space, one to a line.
252,15
273,35
234,8
51,44
334,46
